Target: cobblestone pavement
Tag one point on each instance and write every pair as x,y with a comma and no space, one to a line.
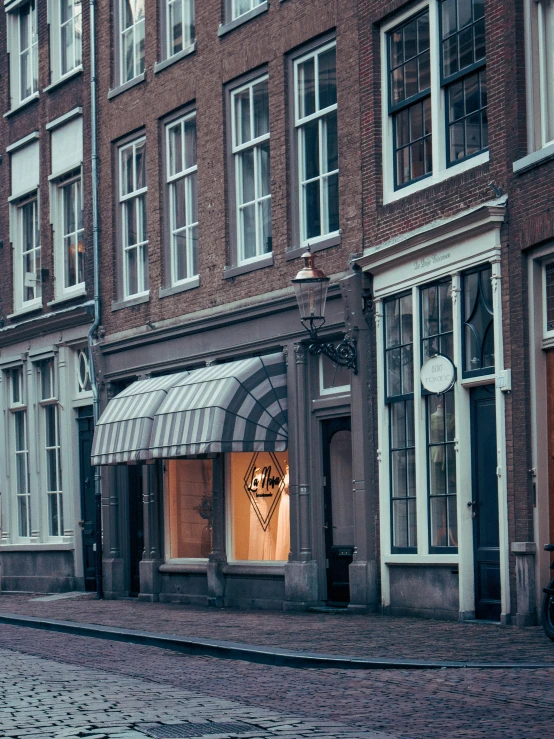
144,684
347,634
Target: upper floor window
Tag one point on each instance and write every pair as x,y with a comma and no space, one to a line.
179,24
436,91
27,258
240,7
250,132
183,198
131,39
66,31
315,108
134,233
540,68
23,49
72,245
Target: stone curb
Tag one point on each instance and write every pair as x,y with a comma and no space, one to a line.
249,653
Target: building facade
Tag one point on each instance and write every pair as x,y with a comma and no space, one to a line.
46,279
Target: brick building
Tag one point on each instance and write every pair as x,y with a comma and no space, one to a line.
45,297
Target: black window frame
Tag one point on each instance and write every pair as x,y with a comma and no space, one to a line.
481,371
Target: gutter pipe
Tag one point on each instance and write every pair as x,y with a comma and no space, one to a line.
96,323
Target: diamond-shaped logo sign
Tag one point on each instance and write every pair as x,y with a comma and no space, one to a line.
264,482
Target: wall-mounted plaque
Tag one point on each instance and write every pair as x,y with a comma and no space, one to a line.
438,374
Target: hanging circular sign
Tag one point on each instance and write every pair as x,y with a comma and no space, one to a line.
438,374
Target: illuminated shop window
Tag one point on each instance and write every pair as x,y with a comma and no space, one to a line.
260,507
189,488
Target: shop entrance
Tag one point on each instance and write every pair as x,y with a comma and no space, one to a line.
85,422
486,539
339,508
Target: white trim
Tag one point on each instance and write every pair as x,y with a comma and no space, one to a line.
34,136
73,113
335,390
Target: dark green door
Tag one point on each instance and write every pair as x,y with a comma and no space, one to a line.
486,541
88,511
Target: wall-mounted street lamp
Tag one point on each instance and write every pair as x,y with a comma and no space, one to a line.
311,285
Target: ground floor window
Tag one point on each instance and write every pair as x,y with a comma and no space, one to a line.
189,485
258,490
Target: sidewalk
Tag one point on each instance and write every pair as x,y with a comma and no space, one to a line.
368,636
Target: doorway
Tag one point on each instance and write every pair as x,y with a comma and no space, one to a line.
338,508
486,538
85,423
136,526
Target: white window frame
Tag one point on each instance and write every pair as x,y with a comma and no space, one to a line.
14,18
46,403
255,144
20,277
140,246
188,18
56,40
299,123
336,389
235,7
135,29
19,408
187,174
63,291
441,170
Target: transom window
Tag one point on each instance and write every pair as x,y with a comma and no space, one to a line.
240,7
71,31
180,25
250,126
71,205
478,322
183,198
132,189
132,23
418,93
316,125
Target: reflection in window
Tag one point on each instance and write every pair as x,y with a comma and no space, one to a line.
240,7
442,470
436,321
260,507
332,377
180,25
478,322
132,21
402,471
189,488
399,346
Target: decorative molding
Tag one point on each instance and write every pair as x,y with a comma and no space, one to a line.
301,353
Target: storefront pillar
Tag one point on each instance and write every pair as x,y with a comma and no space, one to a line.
218,558
363,571
151,557
525,552
301,583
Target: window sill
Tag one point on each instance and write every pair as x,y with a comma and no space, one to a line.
129,302
225,28
534,159
27,309
160,66
427,182
74,72
30,547
255,569
241,269
69,296
191,284
126,86
325,243
24,104
422,559
183,567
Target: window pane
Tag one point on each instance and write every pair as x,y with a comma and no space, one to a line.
398,474
190,484
132,277
128,71
247,186
407,369
265,185
242,116
392,323
127,181
394,385
260,508
311,149
248,216
140,165
175,20
267,243
67,38
193,198
398,425
261,108
175,149
332,193
306,88
179,204
327,78
190,142
331,143
194,249
312,209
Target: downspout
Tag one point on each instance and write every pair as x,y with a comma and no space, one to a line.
96,322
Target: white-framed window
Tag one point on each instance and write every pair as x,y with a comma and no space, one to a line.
22,29
435,119
333,379
20,450
180,31
240,7
134,232
250,133
183,198
315,110
539,17
52,469
131,39
84,382
70,34
27,253
71,243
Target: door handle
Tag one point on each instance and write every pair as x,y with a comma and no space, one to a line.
473,505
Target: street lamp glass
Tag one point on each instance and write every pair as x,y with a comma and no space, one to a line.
311,285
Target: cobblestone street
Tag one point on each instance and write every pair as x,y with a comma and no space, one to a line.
55,685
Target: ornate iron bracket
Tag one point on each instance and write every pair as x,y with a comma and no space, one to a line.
345,354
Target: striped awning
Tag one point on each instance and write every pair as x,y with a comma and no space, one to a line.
123,431
236,407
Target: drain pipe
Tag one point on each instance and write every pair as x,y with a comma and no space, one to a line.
96,323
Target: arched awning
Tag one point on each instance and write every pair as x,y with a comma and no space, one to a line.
236,407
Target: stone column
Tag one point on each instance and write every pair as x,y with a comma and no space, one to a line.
152,556
218,558
526,614
301,587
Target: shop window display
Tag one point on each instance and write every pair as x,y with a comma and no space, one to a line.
189,488
258,487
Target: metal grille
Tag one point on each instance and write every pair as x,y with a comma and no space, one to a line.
182,731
